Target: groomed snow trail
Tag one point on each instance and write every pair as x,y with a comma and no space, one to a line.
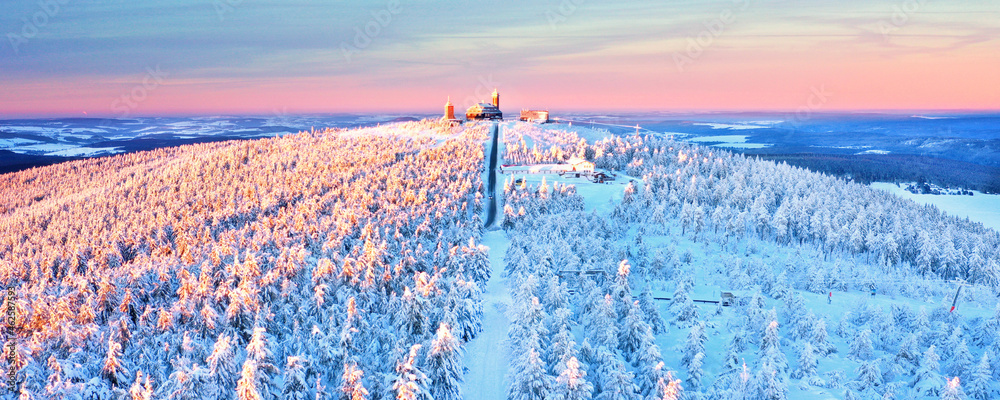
486,355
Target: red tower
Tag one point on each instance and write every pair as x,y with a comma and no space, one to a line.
449,110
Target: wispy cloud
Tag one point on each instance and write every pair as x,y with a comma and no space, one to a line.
263,43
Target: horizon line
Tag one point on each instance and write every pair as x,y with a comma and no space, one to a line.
832,111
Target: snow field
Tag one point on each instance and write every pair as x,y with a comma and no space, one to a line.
983,208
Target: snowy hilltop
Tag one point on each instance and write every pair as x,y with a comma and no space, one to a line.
355,264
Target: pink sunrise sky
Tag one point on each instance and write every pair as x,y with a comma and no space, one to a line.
586,56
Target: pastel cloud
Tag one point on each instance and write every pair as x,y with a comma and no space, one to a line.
261,56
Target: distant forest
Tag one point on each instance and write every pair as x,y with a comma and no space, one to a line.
897,168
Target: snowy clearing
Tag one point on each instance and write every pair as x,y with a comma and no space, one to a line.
85,152
729,126
983,208
14,142
728,141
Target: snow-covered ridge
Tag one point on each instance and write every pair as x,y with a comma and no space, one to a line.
805,325
276,267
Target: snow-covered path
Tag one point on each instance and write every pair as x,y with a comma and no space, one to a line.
486,356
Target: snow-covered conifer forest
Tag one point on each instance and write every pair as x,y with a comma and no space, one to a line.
353,264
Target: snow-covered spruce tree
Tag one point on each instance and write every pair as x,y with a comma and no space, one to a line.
907,358
869,376
617,384
793,309
647,376
587,353
861,348
560,318
922,327
948,343
476,261
981,381
590,294
662,264
668,388
411,313
246,387
820,340
682,306
527,323
770,384
621,291
742,386
603,324
885,334
802,328
295,386
961,361
259,351
444,366
952,390
695,372
605,361
222,367
995,359
986,335
113,370
928,379
770,348
467,298
141,390
351,385
572,384
186,382
528,379
556,294
732,365
561,350
410,382
695,343
755,317
651,311
635,329
806,364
